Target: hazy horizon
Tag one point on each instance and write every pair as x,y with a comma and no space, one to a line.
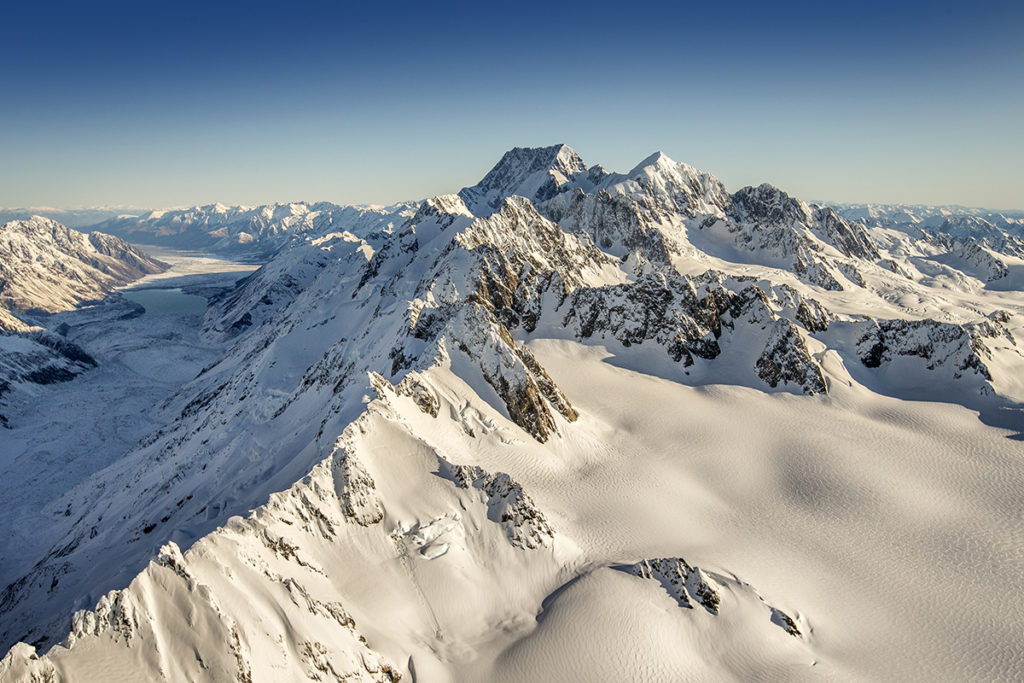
118,104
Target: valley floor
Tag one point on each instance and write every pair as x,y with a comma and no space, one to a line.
64,432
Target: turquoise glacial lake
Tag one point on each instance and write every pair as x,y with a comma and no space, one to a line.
167,301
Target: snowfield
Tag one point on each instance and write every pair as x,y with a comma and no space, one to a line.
564,425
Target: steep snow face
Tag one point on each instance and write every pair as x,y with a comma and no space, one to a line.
643,211
663,211
46,266
535,173
276,284
979,261
661,185
253,232
530,406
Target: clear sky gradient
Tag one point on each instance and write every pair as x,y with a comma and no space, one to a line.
175,103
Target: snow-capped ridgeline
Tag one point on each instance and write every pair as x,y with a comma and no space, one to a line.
253,232
47,266
380,433
73,218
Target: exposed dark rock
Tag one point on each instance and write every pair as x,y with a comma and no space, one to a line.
786,360
507,503
681,581
960,347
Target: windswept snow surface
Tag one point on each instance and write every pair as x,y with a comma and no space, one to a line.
565,425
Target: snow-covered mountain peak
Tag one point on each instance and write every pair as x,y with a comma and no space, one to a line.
450,204
658,160
537,173
34,225
434,216
668,189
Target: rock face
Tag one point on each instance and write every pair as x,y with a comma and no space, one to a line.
671,312
354,486
989,266
46,266
779,218
785,360
680,580
507,504
523,385
767,221
957,350
688,317
521,256
537,174
689,585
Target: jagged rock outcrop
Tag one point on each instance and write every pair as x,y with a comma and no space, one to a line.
813,315
688,316
780,230
355,488
770,208
957,348
618,224
785,360
520,255
988,266
507,503
528,392
669,311
681,581
641,212
851,239
688,584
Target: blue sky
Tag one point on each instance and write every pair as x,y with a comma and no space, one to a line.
161,104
